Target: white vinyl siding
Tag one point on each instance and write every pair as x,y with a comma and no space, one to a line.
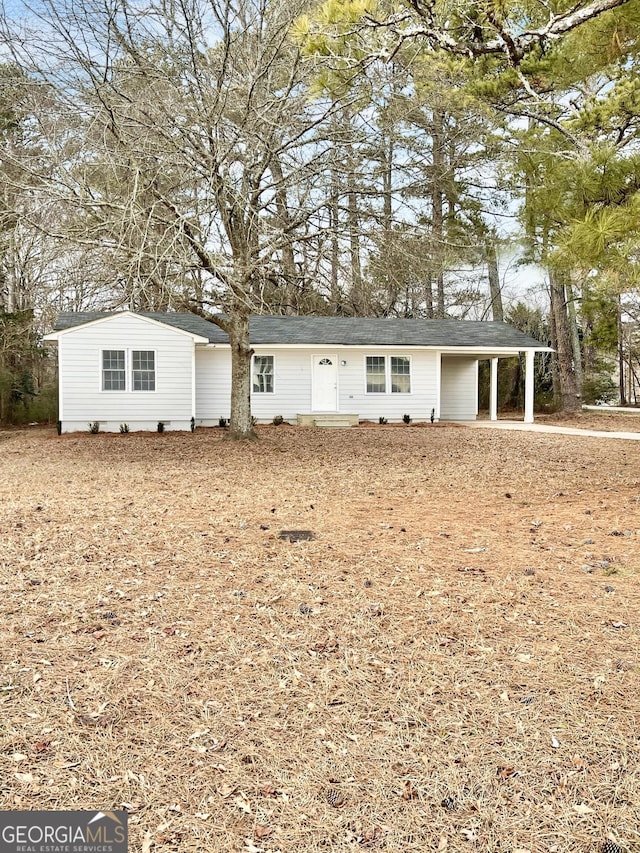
292,378
423,379
81,375
213,385
459,393
291,385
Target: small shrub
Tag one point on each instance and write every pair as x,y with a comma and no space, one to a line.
124,428
94,427
406,419
222,423
278,419
383,421
160,426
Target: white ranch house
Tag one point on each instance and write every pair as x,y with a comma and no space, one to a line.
142,368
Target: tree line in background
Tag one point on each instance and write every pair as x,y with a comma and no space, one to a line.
232,157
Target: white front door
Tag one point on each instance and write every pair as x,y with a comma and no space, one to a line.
324,384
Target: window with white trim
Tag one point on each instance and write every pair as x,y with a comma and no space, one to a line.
114,375
263,374
400,374
143,370
376,374
388,372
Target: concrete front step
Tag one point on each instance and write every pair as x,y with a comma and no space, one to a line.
323,422
328,420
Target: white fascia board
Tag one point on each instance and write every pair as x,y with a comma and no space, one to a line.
466,350
488,351
55,336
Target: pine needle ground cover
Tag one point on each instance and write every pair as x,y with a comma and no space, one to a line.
448,661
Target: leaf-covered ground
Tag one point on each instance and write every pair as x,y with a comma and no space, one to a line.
449,664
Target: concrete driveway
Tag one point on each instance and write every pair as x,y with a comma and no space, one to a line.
559,430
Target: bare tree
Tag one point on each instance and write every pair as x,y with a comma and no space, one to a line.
181,137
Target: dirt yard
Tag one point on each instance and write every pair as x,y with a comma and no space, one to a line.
450,664
628,421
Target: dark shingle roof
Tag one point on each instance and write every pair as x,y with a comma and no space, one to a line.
348,331
187,322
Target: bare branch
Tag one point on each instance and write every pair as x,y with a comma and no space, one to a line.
421,23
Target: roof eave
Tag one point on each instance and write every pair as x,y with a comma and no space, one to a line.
460,349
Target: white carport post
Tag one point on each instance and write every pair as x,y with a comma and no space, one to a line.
438,385
493,391
193,383
528,386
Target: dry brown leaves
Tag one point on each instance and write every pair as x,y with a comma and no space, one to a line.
451,663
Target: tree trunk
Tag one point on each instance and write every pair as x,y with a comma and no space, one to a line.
290,301
358,296
575,335
334,220
428,295
635,382
569,395
621,359
495,291
437,214
555,373
241,425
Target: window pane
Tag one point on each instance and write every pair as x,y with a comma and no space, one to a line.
113,359
400,375
143,359
113,380
113,373
376,381
143,363
263,374
144,380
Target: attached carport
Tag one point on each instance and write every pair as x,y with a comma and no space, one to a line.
458,386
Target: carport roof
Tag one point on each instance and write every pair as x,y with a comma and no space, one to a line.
338,331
